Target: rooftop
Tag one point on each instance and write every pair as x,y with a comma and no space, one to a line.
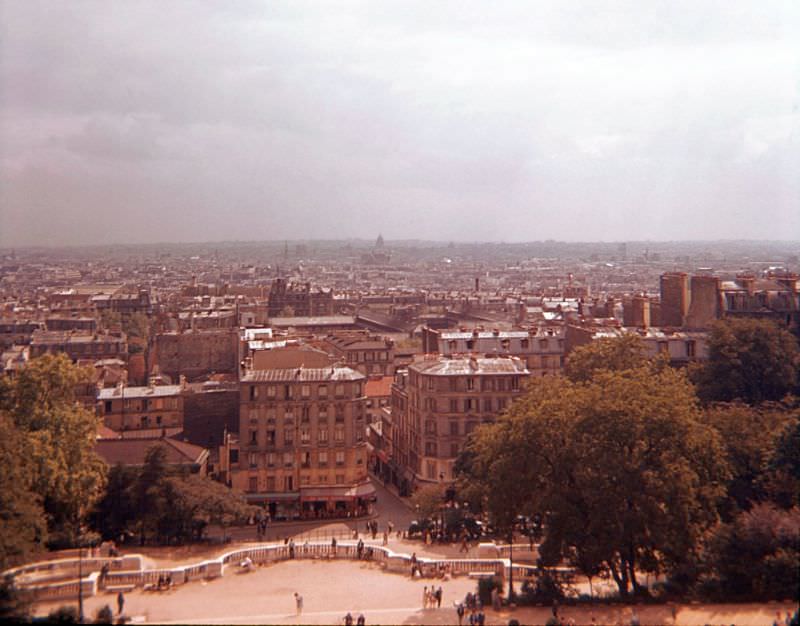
476,366
302,374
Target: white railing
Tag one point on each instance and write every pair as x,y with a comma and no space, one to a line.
258,554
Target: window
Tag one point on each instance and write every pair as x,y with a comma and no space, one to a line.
252,392
690,349
288,437
431,385
339,391
108,406
453,449
288,483
515,383
338,434
322,435
431,469
453,405
271,391
158,420
339,413
430,427
454,429
359,431
288,459
305,459
323,478
305,391
305,414
524,344
469,404
453,384
487,405
501,404
271,437
305,436
470,384
252,485
305,480
270,483
322,390
543,344
253,437
663,347
340,479
340,457
270,459
430,448
323,411
322,458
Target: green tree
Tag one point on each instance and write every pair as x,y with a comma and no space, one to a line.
58,440
427,500
748,360
621,467
783,471
607,354
750,435
756,556
23,528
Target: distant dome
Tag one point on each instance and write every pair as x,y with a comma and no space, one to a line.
379,242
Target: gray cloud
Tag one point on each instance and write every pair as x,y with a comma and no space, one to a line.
454,120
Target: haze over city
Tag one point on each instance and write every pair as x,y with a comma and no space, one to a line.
186,121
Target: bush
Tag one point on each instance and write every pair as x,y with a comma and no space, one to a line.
63,615
104,615
546,588
485,586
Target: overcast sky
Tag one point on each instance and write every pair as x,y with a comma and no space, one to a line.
233,120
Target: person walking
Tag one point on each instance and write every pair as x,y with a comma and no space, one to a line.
360,548
298,600
385,538
439,597
361,621
120,602
348,619
425,597
460,612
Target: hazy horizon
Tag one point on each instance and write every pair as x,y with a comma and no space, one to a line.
210,122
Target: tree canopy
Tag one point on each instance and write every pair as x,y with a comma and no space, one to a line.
607,354
165,505
57,441
620,465
748,360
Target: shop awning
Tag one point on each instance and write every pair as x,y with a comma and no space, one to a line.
329,494
273,496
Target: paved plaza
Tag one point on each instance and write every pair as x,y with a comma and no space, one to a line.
331,589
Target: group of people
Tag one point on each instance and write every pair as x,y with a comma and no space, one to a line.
360,620
472,604
164,582
431,598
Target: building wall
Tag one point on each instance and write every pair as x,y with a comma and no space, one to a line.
300,435
674,299
143,413
196,354
209,414
704,307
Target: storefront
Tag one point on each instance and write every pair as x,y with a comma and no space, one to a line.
337,501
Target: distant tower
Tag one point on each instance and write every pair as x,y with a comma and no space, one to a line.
379,242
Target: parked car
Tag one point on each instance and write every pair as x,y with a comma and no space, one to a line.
418,527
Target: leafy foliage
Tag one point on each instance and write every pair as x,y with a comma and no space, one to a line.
620,466
756,556
750,435
748,360
612,354
427,500
57,442
163,505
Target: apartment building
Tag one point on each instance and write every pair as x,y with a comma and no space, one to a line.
302,448
439,402
142,408
78,345
542,349
369,354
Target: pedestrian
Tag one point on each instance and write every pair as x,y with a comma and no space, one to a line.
464,545
348,619
439,597
291,548
333,546
413,564
298,600
361,620
481,618
391,526
460,612
360,548
385,538
425,597
120,602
